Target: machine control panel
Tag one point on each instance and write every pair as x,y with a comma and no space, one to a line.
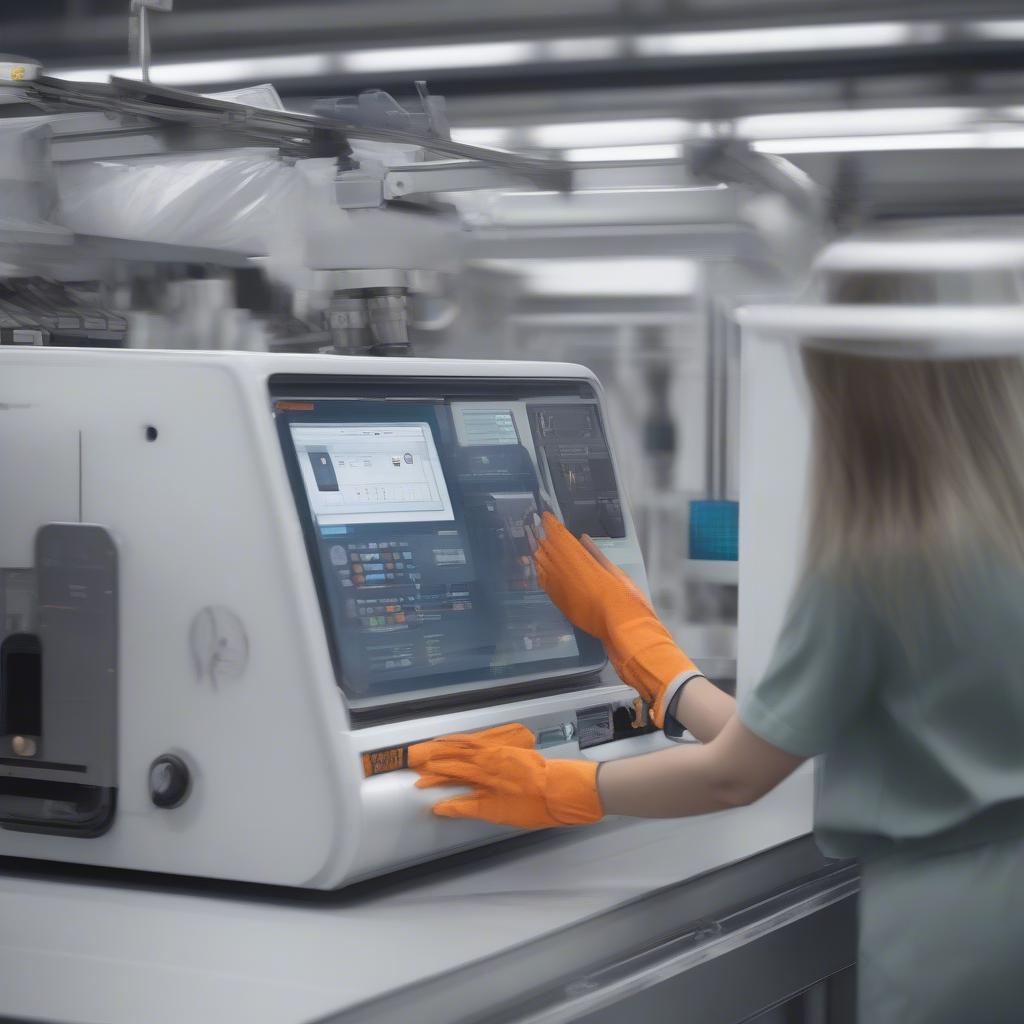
576,460
416,507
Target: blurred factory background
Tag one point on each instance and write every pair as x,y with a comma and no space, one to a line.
673,113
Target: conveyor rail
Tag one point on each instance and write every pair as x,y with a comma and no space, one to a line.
724,946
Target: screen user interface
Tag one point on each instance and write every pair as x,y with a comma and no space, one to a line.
363,473
416,515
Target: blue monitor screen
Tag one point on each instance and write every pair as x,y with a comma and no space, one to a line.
415,510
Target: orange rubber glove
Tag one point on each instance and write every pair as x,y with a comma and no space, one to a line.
510,785
598,597
459,744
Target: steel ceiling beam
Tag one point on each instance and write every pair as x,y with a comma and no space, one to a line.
200,25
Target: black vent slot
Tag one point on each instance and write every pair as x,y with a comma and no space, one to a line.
21,686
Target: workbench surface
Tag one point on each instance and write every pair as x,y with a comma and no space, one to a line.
84,945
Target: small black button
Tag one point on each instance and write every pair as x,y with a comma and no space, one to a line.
169,781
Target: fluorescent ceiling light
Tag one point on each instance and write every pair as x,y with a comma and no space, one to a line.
455,55
1008,29
367,61
662,151
584,48
879,143
211,72
787,39
297,66
851,122
478,55
644,189
922,254
449,56
600,277
98,75
647,189
636,132
634,190
495,138
305,65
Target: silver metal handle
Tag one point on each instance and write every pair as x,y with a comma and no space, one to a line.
138,30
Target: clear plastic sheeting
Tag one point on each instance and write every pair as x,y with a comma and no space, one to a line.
238,201
149,221
251,203
264,96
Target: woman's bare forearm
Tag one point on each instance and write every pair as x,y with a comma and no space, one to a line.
734,769
703,708
667,784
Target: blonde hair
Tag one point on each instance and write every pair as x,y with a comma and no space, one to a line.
914,458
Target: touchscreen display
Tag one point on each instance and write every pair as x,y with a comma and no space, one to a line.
415,513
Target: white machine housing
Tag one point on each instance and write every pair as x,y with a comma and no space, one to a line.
222,653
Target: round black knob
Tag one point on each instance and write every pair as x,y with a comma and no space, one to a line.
169,781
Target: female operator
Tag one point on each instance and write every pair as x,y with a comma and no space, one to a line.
901,665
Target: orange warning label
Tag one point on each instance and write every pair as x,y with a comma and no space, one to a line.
392,759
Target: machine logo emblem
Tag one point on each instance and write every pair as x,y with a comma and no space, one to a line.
220,644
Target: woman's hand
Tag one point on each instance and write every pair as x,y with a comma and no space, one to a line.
599,598
578,585
609,566
465,744
509,784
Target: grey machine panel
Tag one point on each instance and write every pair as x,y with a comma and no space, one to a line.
58,691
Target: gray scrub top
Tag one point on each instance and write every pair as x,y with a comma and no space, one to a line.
917,712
